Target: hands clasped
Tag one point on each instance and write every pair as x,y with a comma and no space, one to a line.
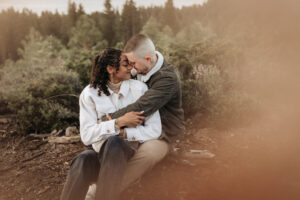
131,119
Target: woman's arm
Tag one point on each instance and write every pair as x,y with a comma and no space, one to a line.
90,130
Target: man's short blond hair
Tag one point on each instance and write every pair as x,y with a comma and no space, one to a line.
140,45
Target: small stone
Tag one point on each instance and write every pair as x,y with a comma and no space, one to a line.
71,131
53,132
199,154
189,163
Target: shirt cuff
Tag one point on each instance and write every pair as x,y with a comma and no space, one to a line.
108,129
130,132
117,127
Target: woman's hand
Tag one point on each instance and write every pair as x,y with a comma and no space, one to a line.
131,119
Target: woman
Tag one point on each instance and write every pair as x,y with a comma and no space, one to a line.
114,141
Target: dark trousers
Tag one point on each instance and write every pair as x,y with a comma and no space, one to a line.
105,168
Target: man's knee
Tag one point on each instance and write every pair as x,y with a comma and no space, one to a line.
154,151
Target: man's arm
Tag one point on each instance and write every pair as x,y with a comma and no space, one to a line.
153,99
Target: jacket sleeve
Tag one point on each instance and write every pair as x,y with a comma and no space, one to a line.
90,130
162,90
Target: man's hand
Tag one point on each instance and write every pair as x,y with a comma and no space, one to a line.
131,119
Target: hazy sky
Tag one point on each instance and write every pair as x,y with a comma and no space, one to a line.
89,5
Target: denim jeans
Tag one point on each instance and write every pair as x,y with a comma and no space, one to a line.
105,168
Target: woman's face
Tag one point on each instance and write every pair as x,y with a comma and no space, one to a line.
124,70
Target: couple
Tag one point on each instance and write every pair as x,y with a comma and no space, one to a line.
127,124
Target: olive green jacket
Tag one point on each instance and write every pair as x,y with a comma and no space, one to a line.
164,94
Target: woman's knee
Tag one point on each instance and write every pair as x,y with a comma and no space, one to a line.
116,147
86,161
114,141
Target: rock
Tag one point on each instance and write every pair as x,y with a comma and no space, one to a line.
56,133
71,131
53,132
199,154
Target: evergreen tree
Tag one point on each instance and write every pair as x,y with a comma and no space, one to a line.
72,13
85,34
130,20
50,24
14,26
169,16
80,11
109,23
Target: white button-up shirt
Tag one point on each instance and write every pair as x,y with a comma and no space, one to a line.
93,107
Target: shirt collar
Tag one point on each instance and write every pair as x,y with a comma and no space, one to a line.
158,65
123,89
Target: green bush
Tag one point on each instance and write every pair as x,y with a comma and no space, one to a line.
38,88
205,96
80,61
209,68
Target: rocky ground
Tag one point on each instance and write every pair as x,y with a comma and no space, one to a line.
245,163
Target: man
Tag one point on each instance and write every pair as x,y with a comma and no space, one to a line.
164,94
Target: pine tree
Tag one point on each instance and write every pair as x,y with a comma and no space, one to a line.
130,20
72,13
109,23
169,17
85,34
80,11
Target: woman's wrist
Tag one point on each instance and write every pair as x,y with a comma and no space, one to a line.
122,133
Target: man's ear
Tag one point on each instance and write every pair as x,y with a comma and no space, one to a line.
148,58
110,69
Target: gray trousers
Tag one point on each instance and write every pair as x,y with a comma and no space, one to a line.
105,168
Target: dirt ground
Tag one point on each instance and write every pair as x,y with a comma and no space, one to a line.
257,162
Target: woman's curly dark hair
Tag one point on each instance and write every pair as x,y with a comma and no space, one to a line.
100,76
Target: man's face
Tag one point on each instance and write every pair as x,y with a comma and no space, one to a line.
139,64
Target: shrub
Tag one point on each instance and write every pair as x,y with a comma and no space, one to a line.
80,61
38,88
205,96
209,68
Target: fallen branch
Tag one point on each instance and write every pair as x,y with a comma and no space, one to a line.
64,139
39,135
33,157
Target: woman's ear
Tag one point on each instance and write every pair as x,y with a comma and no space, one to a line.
110,69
